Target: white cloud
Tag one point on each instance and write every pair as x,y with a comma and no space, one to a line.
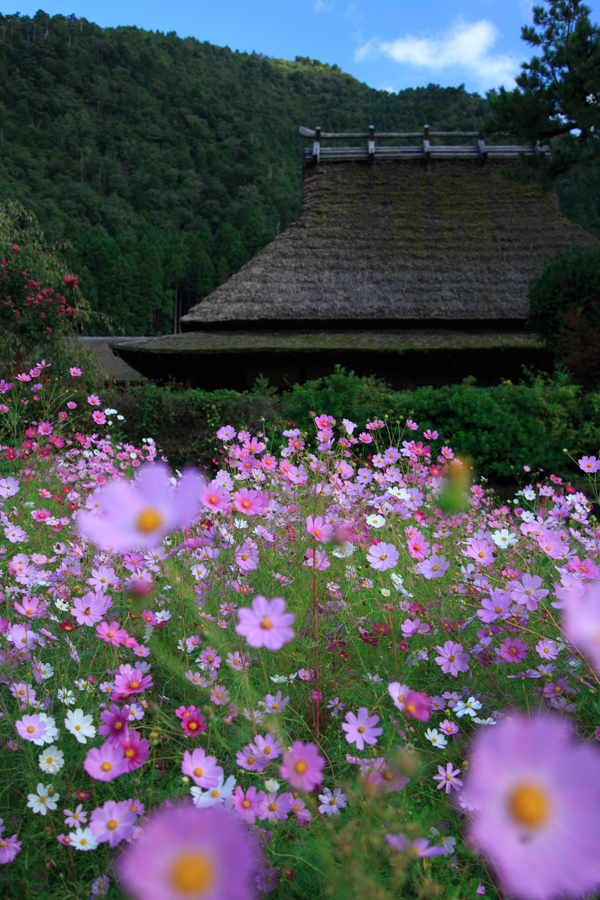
464,46
323,6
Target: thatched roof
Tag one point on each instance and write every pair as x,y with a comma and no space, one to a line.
402,242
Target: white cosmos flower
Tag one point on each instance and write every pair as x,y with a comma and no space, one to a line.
435,737
44,800
375,521
80,725
467,707
219,794
51,760
83,839
271,785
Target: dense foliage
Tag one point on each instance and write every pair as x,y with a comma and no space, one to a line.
498,428
564,304
163,164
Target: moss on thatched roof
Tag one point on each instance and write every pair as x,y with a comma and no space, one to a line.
452,241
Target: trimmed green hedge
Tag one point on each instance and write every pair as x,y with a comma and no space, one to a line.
499,428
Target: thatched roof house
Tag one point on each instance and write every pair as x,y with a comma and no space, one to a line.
388,243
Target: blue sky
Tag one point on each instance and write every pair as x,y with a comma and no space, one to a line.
389,45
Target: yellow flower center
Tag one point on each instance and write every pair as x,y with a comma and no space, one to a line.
246,804
106,766
193,726
110,634
266,624
273,807
149,520
134,684
361,729
300,767
198,773
42,799
128,753
118,726
112,824
529,805
192,874
30,729
214,793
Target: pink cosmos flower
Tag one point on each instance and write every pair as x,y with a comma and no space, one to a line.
360,728
113,822
135,749
38,728
202,769
266,624
302,766
90,608
112,634
214,496
115,723
452,658
447,778
130,681
319,528
513,650
434,567
266,747
481,551
250,503
417,706
139,514
106,763
247,557
187,853
533,793
275,807
528,592
419,847
247,805
588,464
418,547
382,556
9,847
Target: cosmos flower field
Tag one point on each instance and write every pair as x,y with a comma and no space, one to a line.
344,671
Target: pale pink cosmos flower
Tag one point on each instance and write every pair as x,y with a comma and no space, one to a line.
452,658
533,792
39,728
382,556
139,514
202,769
360,728
91,608
187,853
275,806
112,634
113,822
581,619
8,487
302,766
266,624
106,763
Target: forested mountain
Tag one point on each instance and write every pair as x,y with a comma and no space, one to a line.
166,163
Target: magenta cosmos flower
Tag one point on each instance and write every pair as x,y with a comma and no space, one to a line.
360,729
137,515
534,796
302,766
267,624
187,853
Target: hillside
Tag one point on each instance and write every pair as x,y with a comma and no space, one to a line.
166,163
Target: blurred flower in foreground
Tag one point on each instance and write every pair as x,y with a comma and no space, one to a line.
267,624
137,515
581,620
534,798
190,854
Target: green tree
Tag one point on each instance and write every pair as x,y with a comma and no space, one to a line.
558,91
